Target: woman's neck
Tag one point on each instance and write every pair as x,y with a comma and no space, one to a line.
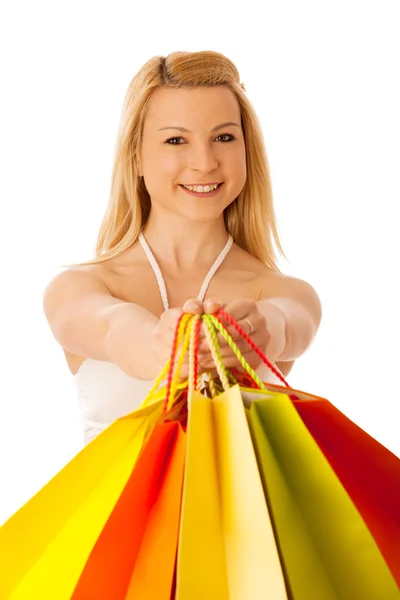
180,246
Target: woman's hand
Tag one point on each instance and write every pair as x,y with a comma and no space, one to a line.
247,314
164,333
263,322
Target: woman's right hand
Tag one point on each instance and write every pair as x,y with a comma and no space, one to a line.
164,333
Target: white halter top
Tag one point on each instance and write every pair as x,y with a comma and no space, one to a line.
106,393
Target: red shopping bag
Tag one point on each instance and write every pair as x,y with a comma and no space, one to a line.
367,470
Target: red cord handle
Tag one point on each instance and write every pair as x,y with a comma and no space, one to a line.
224,315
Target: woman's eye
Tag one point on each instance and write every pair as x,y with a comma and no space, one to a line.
171,141
230,136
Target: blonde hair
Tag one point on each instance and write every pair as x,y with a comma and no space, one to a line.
250,218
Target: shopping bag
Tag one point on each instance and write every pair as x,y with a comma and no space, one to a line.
369,472
120,564
326,547
201,565
45,545
226,546
159,544
48,540
340,553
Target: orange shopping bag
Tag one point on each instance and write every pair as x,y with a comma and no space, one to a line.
133,547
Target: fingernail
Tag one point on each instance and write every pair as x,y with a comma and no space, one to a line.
190,307
209,305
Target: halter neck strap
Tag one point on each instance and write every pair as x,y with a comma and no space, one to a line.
160,279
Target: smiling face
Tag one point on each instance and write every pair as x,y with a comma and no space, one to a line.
191,137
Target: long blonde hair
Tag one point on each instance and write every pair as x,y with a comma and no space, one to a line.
250,218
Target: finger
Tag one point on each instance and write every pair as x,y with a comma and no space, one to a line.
204,348
193,307
169,318
239,309
235,335
247,326
242,346
208,360
224,347
252,326
211,305
232,361
237,338
202,333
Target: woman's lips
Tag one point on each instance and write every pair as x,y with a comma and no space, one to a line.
202,194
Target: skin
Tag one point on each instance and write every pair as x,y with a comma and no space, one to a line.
171,157
186,235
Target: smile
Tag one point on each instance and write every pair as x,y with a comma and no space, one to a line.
200,191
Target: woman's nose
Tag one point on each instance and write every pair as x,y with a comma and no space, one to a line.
202,158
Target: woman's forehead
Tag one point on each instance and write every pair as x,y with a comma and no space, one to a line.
175,107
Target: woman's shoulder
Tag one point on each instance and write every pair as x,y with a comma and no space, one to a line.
272,282
275,283
122,265
243,261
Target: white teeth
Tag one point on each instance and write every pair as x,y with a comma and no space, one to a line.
201,188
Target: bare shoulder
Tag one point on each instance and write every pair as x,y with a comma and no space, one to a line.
279,285
269,283
74,303
73,283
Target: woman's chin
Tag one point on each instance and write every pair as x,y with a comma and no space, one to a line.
203,216
195,212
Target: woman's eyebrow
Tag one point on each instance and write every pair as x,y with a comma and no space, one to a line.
183,129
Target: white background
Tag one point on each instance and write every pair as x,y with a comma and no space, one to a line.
323,77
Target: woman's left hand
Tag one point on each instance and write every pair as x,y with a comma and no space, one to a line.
247,314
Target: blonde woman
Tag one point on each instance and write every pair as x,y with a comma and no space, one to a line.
190,226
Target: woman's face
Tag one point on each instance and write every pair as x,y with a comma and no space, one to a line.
193,136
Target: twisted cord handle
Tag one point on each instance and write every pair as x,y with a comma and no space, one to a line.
182,336
213,344
187,334
224,315
194,353
218,325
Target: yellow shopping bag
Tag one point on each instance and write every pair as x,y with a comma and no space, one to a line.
201,564
227,548
327,549
44,545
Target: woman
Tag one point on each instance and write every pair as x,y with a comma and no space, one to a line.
190,209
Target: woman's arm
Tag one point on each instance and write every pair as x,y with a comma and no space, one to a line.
284,324
88,321
292,317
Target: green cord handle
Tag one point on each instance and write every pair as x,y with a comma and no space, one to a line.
214,324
